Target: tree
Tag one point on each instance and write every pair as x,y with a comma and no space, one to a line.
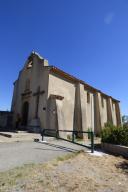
125,119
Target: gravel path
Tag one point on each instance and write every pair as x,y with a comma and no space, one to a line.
19,153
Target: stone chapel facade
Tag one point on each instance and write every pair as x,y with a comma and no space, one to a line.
47,97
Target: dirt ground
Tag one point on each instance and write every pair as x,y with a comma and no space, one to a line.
79,172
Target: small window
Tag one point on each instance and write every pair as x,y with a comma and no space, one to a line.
88,97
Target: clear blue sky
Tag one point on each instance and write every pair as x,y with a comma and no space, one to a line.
87,38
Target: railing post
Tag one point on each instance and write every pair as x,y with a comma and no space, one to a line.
92,142
74,133
42,134
57,134
73,136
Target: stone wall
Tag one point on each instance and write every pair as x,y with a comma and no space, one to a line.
115,149
5,120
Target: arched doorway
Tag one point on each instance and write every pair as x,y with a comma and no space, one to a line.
25,110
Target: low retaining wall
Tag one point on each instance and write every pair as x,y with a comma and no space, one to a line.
115,149
5,120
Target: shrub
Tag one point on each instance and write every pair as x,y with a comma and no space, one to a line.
115,135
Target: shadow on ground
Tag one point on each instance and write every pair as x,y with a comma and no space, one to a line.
123,166
61,148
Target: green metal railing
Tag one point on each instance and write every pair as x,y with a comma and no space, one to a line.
55,133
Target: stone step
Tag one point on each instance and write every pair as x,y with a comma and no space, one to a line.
18,137
6,134
21,134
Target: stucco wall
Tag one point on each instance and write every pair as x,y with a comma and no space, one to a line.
103,109
38,76
83,98
90,112
74,93
114,113
65,107
87,109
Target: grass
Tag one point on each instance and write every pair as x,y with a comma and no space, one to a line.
18,176
68,156
10,178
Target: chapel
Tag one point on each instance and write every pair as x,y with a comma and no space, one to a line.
45,97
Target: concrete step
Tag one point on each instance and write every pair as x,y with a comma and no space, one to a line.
17,137
6,134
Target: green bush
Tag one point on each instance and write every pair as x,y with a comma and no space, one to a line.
115,135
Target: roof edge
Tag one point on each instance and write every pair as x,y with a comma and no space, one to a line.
74,79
